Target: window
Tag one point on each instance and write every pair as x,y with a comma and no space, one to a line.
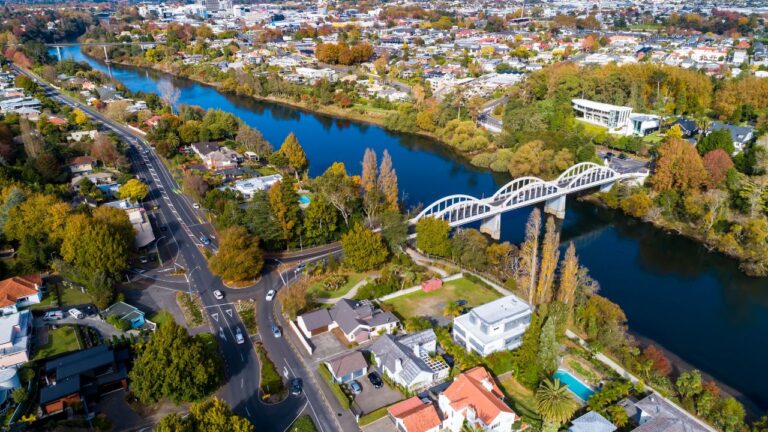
484,328
472,319
458,330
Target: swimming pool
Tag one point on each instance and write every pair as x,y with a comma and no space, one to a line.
581,390
304,199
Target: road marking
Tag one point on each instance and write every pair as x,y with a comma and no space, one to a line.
217,305
215,316
247,412
242,357
229,312
242,382
297,416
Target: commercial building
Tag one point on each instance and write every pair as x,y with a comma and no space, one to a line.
610,116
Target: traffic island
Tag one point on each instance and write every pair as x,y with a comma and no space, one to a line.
271,386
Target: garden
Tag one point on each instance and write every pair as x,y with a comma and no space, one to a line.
57,341
433,303
335,285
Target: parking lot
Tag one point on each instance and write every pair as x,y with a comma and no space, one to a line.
371,399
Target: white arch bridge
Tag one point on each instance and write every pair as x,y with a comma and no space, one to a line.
521,192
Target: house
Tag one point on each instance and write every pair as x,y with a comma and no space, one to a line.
215,156
688,127
591,422
127,313
20,291
139,219
15,338
474,397
79,135
249,187
347,367
610,116
81,165
408,360
495,326
357,320
643,124
82,377
414,415
741,135
656,414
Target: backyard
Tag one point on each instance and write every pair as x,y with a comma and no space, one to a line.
520,398
433,303
317,288
56,341
69,296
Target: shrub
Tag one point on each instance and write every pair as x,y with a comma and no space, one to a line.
335,387
334,282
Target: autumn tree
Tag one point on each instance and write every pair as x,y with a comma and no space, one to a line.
529,252
37,224
569,272
98,243
717,163
637,204
388,182
252,140
134,190
239,257
549,257
211,415
363,249
372,197
678,167
659,361
284,202
340,189
294,153
432,236
104,150
294,298
195,184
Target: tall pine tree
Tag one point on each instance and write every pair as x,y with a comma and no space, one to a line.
549,257
388,181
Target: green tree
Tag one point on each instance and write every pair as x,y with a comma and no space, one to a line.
284,202
134,190
554,403
549,348
394,229
719,139
363,249
20,395
294,153
173,365
210,416
239,257
432,236
320,221
468,248
340,189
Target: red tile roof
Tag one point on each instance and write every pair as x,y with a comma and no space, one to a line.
415,414
18,287
469,390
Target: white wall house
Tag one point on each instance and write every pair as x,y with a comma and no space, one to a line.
606,115
475,398
495,326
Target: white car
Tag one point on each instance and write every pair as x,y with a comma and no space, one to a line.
270,295
53,315
218,294
196,205
239,336
76,313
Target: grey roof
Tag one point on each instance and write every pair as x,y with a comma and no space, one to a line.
591,422
387,350
666,418
317,319
81,361
738,133
347,363
350,314
122,310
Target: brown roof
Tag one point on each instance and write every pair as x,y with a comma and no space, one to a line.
82,160
18,287
348,363
416,415
469,390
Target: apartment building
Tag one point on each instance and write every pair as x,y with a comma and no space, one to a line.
495,326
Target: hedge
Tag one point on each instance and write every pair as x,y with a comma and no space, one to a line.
335,387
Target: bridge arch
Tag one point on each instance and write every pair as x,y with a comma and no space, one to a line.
454,208
531,194
508,189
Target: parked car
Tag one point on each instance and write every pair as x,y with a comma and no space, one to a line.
76,313
355,387
276,331
239,336
622,156
144,259
218,294
296,385
270,295
374,378
53,315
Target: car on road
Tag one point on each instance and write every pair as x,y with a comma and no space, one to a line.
142,163
144,259
375,379
300,267
239,336
270,295
355,387
218,294
221,333
296,385
609,155
196,205
276,331
205,240
622,156
53,315
76,313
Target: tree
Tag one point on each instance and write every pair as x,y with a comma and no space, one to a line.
33,142
719,139
432,236
284,202
549,348
569,272
658,360
688,385
173,365
38,220
169,93
453,309
252,140
728,415
239,257
717,163
104,149
211,415
134,190
468,248
529,251
98,243
294,153
363,249
554,403
372,197
340,189
20,395
394,229
293,298
388,181
549,258
79,117
195,184
678,167
320,221
638,204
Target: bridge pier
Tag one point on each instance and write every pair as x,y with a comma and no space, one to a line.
58,53
492,226
106,55
555,207
606,187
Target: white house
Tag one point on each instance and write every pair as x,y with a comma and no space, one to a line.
610,116
474,396
408,360
249,187
495,326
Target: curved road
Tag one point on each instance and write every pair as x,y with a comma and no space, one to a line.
184,226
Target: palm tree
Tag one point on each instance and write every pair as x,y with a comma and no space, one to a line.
554,403
452,309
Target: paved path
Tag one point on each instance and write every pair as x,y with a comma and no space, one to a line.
426,262
105,329
350,294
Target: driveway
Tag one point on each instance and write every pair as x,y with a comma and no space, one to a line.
326,346
122,416
105,329
371,399
383,424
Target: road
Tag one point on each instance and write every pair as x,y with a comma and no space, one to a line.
183,227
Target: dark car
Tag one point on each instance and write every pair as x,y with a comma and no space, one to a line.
609,155
296,385
374,378
622,156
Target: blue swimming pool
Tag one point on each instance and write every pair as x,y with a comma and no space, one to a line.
303,199
576,387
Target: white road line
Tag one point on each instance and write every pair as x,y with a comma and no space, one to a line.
247,412
318,423
242,382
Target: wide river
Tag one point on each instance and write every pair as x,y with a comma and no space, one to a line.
694,303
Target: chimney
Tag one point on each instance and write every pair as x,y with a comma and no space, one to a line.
487,384
417,349
398,366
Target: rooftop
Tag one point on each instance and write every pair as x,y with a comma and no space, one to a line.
500,309
416,415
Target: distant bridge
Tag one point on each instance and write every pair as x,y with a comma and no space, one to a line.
521,192
142,45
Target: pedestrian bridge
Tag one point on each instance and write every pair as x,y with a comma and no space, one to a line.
521,192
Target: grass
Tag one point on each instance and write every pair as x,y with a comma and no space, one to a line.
190,308
60,340
303,424
372,416
161,318
318,289
335,387
592,129
271,382
73,296
248,316
521,399
421,303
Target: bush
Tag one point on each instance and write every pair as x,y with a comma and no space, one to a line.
271,382
303,424
120,324
334,282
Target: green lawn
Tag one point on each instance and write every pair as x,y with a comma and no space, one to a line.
520,398
592,129
352,279
60,340
161,318
432,304
73,296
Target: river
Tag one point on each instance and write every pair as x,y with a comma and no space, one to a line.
694,303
